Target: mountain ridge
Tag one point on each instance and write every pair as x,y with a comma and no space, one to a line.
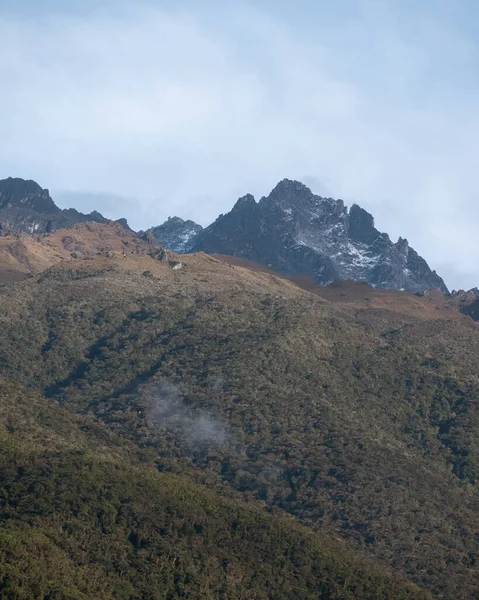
132,378
293,231
26,206
23,255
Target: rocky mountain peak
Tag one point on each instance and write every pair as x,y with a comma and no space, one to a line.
295,198
25,194
247,201
173,221
26,206
176,234
97,215
289,191
291,230
123,222
466,301
294,231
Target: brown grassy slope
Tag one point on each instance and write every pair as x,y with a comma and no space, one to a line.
21,256
24,255
432,305
358,417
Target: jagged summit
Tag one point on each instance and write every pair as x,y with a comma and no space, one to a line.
295,231
25,194
26,206
287,192
361,225
245,202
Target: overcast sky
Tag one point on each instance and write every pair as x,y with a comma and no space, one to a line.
147,110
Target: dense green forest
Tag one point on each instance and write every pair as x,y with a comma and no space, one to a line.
229,426
86,516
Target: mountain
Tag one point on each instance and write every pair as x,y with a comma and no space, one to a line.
176,234
345,409
294,231
25,206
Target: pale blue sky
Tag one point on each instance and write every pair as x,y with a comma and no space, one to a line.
145,110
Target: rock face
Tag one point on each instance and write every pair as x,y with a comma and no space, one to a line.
294,231
176,234
467,302
25,206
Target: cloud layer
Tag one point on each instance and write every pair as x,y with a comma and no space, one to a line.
158,111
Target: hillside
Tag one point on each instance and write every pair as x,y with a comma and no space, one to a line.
86,516
431,304
355,411
23,255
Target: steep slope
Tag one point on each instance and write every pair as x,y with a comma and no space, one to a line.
25,206
176,234
293,231
356,413
85,516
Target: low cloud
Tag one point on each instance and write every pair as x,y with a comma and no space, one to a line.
168,410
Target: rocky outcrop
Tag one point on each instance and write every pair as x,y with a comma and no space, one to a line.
467,302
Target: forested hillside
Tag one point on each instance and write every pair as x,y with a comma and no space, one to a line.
355,414
85,515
